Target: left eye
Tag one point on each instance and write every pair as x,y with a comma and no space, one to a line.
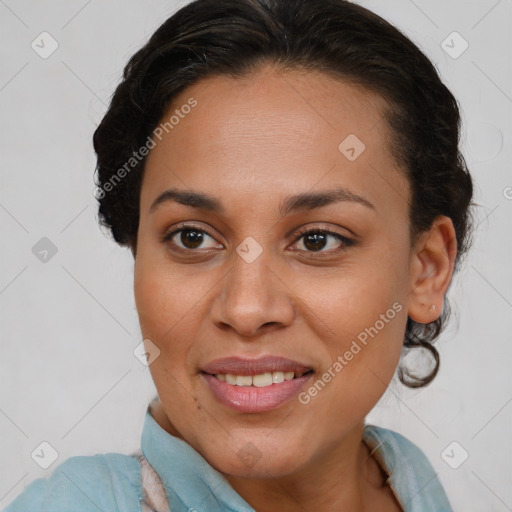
315,240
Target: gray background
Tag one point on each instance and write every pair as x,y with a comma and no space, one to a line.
69,325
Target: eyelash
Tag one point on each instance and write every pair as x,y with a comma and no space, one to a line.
346,242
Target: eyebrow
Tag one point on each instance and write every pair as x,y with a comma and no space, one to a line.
304,201
312,200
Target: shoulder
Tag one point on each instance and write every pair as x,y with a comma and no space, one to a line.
411,475
108,481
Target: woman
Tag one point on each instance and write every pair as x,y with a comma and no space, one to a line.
288,178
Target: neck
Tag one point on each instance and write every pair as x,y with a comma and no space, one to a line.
342,478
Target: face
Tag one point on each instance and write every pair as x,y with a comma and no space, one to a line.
258,280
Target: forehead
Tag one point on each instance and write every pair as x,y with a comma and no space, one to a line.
274,132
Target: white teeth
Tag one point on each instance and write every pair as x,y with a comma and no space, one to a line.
230,379
260,381
277,377
243,380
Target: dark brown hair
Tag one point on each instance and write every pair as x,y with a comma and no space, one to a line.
235,37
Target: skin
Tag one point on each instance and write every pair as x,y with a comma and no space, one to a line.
251,142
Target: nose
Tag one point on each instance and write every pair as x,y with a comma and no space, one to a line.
253,300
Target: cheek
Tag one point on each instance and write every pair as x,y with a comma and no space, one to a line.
366,312
168,305
150,303
160,299
363,361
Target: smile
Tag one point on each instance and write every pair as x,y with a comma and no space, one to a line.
255,385
260,381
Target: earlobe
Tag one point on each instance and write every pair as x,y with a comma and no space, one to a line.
431,270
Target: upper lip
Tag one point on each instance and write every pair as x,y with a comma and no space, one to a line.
244,366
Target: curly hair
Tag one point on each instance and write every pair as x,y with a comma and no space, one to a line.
342,39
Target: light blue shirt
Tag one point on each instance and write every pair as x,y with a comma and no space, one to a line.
112,482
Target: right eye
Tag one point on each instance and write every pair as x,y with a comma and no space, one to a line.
188,238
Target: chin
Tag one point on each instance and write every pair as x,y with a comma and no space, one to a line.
255,457
263,468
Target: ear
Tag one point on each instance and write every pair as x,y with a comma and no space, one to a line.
431,270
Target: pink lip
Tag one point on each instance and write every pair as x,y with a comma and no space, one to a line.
252,399
242,366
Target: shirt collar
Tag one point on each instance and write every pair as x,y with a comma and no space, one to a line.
190,481
410,474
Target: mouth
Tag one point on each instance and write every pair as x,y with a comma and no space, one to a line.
261,380
255,385
240,366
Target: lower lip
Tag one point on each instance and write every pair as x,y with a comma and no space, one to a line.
254,399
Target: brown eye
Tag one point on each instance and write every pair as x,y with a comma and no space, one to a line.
315,240
189,238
